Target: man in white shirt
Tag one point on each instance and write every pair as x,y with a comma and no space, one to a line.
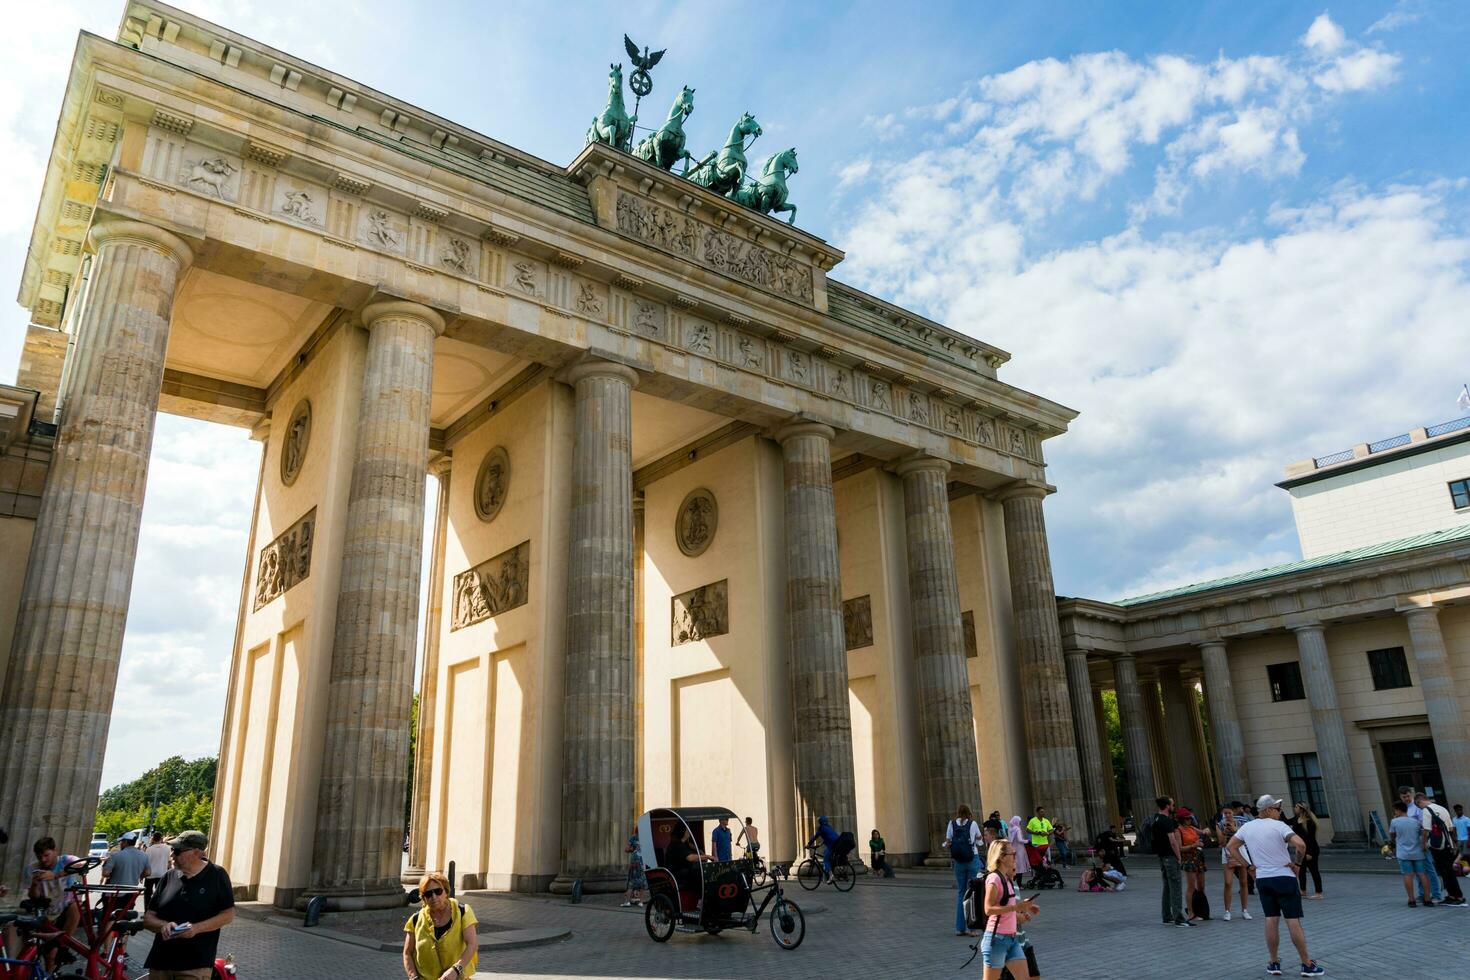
1265,844
1440,845
158,854
1406,793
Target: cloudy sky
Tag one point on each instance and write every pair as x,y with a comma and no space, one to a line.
1231,235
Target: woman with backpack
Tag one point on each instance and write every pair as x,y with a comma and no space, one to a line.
440,940
962,840
1001,948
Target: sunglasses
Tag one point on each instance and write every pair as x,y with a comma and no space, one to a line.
433,893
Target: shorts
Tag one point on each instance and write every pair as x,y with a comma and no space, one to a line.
997,949
1279,897
1417,867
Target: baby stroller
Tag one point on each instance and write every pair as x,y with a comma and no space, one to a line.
1043,875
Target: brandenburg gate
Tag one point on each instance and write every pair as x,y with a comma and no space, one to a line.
711,526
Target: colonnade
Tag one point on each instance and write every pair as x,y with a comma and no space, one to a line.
1163,739
69,635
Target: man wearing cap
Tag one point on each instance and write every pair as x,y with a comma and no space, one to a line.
128,865
1265,844
192,903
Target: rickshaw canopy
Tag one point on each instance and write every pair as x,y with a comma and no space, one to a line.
658,826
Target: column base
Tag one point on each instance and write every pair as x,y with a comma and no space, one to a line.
936,861
411,875
593,883
1349,838
381,895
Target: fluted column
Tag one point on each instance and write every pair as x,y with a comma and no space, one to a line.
1089,752
1209,785
423,764
946,718
821,725
639,529
1110,775
1189,786
1051,738
1137,761
1441,703
62,676
1158,742
359,817
1225,734
598,724
1338,782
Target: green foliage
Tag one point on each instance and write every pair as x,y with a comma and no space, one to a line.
413,751
185,798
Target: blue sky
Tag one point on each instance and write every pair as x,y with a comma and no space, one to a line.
1233,235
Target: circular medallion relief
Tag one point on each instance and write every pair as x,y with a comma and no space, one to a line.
298,437
694,528
492,483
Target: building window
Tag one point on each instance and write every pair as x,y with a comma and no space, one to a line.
1460,494
1286,681
1390,669
1304,782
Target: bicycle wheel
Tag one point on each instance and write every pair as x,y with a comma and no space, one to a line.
843,877
809,874
788,925
759,876
659,918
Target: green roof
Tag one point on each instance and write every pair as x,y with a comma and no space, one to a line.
1429,539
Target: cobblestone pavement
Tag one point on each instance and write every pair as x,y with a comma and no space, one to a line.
902,928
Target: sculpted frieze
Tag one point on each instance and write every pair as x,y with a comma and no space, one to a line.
492,587
211,174
701,613
857,622
699,517
286,561
678,233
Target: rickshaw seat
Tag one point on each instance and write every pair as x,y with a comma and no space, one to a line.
688,899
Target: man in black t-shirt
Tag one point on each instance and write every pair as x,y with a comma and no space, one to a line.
1165,843
190,906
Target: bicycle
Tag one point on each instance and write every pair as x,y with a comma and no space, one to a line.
759,873
811,872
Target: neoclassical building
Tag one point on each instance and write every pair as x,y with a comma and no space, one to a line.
1331,681
712,526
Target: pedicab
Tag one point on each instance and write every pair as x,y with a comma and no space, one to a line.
710,896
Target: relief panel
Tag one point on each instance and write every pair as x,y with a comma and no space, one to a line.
210,172
382,229
286,561
492,587
857,622
301,202
700,613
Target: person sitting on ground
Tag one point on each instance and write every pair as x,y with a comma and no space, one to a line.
1109,844
128,865
826,834
440,940
878,852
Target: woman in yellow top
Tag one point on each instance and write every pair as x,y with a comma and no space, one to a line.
440,942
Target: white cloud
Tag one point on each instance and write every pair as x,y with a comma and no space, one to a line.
1324,36
1403,13
1358,71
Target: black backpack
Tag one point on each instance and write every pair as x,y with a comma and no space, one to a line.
1439,834
961,847
1145,842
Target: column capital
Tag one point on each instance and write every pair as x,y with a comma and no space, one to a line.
1311,627
401,309
1421,612
598,368
1121,655
1211,644
113,230
920,464
1076,652
804,427
441,464
1023,489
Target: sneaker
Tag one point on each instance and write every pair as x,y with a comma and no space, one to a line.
1185,923
1274,969
626,905
1413,904
1312,969
1227,915
1245,914
1428,903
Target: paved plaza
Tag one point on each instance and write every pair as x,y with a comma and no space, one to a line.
901,928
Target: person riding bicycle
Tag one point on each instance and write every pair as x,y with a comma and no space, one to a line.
827,834
48,884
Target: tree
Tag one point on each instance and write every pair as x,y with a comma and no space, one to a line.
1114,749
185,798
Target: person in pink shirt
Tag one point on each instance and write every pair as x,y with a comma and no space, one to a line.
1000,948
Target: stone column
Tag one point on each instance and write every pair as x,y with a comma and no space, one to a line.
1441,703
598,725
1137,760
638,733
1051,739
1089,751
1225,734
942,681
1110,775
1338,783
1209,784
62,676
1179,733
423,764
358,850
821,726
1158,743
